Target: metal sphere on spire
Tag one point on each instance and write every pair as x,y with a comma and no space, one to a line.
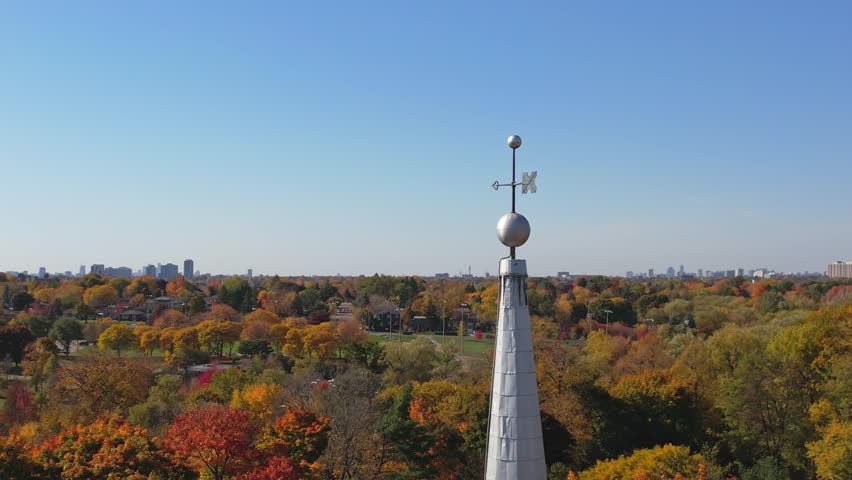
514,142
513,229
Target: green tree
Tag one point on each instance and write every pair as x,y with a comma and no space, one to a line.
21,301
411,442
66,330
195,304
13,342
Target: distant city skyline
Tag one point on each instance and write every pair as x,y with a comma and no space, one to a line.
297,138
169,271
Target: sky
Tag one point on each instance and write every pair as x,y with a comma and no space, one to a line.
305,138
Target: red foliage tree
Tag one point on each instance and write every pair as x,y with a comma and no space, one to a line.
277,468
206,376
216,440
19,404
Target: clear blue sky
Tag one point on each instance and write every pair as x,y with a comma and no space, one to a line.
361,137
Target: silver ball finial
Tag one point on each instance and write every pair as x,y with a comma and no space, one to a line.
513,230
514,142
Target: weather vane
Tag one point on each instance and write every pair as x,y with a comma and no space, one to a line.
513,229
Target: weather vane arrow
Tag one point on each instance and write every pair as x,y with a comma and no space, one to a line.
527,182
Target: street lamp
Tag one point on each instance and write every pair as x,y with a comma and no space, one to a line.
607,320
589,318
443,323
394,306
652,323
462,329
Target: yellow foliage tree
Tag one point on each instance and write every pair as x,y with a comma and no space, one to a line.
832,453
100,296
663,462
295,342
260,400
117,337
320,340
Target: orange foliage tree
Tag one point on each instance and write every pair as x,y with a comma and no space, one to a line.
105,449
299,434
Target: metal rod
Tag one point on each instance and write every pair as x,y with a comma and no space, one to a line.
514,185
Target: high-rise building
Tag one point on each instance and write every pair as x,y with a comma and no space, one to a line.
839,270
97,268
118,272
188,268
150,270
42,272
629,274
740,272
249,273
168,271
681,272
670,272
82,271
700,273
650,273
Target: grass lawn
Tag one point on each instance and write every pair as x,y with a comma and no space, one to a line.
387,337
470,344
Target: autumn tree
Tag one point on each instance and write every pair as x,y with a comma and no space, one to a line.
276,468
148,338
19,407
117,337
665,462
832,451
299,434
260,400
108,448
256,330
16,460
95,385
320,340
171,318
215,440
216,334
411,443
349,332
100,296
223,313
261,315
